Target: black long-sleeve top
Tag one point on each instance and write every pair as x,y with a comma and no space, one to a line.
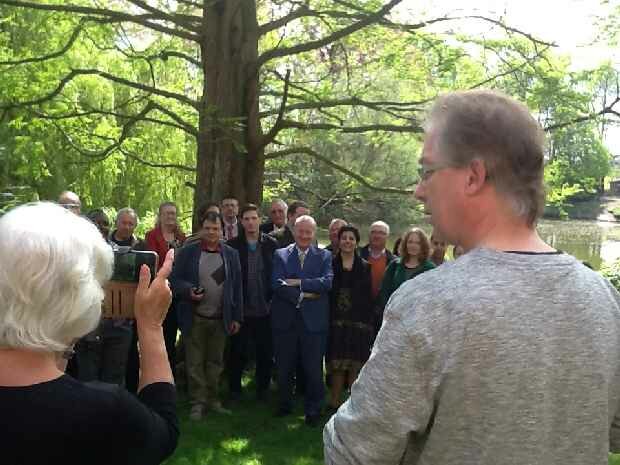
67,422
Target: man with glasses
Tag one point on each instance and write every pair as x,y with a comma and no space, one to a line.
517,357
378,257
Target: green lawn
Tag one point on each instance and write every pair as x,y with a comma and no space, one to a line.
251,435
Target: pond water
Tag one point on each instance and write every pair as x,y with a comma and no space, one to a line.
590,241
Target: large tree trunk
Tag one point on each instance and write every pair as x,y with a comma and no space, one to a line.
230,159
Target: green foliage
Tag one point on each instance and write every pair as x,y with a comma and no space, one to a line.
46,149
611,271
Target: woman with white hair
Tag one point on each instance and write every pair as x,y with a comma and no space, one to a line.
52,267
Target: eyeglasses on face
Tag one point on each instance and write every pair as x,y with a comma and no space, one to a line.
425,172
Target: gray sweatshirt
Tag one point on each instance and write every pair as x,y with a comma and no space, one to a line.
493,359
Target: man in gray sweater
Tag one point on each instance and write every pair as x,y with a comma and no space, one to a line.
509,355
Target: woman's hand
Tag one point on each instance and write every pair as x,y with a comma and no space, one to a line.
152,302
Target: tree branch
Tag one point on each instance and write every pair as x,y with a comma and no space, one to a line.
178,124
74,35
300,12
175,18
341,33
351,101
165,54
80,72
358,177
273,132
351,129
156,165
117,144
117,16
608,110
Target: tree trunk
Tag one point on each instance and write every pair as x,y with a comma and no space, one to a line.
230,159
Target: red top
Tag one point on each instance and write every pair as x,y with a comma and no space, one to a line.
377,270
157,243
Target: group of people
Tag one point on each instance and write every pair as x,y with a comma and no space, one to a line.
509,354
237,282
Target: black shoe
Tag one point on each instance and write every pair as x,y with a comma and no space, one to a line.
283,412
313,420
234,396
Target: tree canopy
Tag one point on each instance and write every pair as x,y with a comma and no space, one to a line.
133,102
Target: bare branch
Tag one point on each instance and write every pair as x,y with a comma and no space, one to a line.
351,101
422,24
608,110
273,132
156,165
117,144
300,12
113,15
179,123
341,33
174,18
358,177
80,72
351,129
165,54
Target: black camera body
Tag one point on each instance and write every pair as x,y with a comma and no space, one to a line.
127,264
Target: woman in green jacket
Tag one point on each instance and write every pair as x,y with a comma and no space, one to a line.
414,260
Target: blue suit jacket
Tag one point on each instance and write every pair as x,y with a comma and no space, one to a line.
185,275
316,277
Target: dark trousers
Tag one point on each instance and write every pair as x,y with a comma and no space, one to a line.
103,356
312,347
132,373
171,328
256,329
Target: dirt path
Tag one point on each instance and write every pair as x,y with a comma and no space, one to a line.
608,203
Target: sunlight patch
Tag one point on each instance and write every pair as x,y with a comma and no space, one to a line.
236,445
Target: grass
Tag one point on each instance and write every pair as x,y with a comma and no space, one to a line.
250,436
253,436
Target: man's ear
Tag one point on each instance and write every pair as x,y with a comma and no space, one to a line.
476,176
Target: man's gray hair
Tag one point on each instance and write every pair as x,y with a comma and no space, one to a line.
337,220
493,127
305,219
127,211
381,224
52,267
281,202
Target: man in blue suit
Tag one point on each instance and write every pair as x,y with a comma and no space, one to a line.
302,278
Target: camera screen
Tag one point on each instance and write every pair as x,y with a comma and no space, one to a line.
127,265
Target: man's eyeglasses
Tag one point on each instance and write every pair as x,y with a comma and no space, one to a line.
425,172
70,206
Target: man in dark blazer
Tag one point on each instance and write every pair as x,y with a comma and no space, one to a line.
277,217
206,281
302,278
285,235
256,256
